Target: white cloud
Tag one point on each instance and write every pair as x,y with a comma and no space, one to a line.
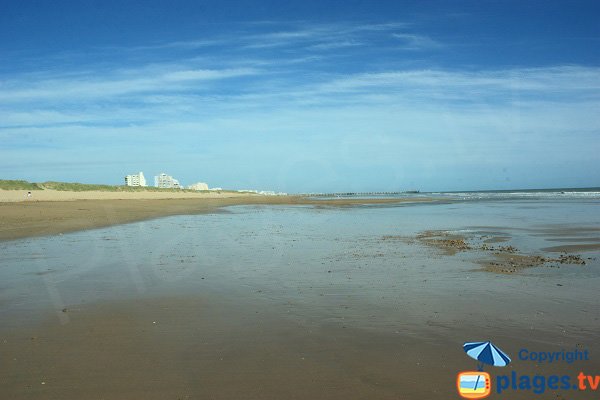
163,94
95,88
575,81
204,74
411,41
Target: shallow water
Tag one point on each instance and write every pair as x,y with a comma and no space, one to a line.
313,256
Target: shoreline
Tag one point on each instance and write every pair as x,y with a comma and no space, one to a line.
63,212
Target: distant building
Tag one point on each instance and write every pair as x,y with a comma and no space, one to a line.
165,181
135,180
262,192
198,186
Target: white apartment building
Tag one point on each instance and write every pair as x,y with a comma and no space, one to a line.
165,181
135,180
198,186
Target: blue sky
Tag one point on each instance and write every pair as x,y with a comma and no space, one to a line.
303,96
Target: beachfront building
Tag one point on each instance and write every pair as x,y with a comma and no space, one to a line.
198,186
165,181
135,180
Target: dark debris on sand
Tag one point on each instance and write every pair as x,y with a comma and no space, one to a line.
506,259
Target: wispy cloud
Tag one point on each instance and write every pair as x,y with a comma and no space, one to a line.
326,37
336,45
130,83
170,93
411,41
500,85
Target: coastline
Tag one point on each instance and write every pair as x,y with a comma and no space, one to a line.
54,212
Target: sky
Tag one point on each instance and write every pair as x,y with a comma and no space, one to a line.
303,96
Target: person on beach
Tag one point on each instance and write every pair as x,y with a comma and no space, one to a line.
28,195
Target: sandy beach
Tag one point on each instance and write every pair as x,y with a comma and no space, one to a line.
51,212
270,297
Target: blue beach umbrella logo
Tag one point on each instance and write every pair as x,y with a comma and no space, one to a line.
486,353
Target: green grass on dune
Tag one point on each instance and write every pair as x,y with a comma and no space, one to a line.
19,185
85,187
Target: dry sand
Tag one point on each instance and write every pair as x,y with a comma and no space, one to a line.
64,195
53,212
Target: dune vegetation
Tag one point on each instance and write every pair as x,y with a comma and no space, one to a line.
83,187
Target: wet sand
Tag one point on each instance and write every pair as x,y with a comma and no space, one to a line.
195,348
285,302
98,209
215,348
570,248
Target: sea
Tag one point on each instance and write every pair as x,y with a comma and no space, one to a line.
513,194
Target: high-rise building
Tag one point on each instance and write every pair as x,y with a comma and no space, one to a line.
165,181
135,180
